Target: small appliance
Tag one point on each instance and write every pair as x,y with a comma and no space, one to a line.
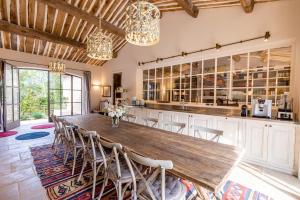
262,108
285,110
244,111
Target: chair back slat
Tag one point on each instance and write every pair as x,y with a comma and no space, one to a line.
178,125
216,133
149,120
159,166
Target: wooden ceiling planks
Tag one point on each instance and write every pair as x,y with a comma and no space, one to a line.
40,16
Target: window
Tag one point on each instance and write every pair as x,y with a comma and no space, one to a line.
65,93
238,77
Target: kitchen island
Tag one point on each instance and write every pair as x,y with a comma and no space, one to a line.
267,142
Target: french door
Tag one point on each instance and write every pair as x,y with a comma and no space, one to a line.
11,97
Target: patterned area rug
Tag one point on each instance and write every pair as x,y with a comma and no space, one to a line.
57,178
59,183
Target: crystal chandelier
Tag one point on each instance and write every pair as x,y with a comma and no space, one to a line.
99,46
57,66
142,23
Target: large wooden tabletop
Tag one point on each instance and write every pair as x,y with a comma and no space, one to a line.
202,162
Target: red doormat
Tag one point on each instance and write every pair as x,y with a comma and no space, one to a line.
7,133
43,126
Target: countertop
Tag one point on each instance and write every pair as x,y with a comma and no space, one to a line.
213,111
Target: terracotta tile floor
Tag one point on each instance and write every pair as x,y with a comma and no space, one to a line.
18,179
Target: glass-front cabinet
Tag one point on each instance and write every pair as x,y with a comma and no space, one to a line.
239,77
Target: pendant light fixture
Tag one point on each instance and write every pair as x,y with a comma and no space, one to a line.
142,23
99,46
57,66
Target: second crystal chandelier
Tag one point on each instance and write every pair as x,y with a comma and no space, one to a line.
142,23
99,46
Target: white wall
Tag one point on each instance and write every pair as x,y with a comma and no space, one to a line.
42,60
180,32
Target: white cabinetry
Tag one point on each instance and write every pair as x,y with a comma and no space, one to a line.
182,118
271,144
230,128
281,141
266,142
200,120
256,140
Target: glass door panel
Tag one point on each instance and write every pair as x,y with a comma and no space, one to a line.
223,80
239,79
176,70
11,97
208,96
209,81
185,69
197,68
167,72
209,66
223,64
240,95
196,96
240,62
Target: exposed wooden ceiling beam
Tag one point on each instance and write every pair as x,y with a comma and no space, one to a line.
77,12
248,5
40,35
36,34
189,7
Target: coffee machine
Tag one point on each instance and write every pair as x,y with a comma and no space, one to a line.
285,110
262,108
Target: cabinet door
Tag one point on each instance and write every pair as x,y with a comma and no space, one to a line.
230,128
281,145
182,118
256,140
153,113
166,116
140,113
199,120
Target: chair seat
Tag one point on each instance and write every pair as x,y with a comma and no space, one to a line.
125,173
99,157
175,190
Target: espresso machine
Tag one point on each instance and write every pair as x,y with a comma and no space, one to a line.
262,108
285,110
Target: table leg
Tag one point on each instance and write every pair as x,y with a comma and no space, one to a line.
203,193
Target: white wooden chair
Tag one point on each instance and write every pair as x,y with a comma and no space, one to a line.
118,170
130,118
75,143
207,133
57,131
93,154
155,184
151,122
170,126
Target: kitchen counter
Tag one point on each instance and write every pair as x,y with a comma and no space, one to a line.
214,111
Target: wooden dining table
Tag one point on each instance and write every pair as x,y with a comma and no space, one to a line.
207,164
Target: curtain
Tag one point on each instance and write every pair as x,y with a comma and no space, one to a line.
86,92
2,125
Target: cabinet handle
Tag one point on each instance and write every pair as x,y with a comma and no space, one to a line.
266,125
270,126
